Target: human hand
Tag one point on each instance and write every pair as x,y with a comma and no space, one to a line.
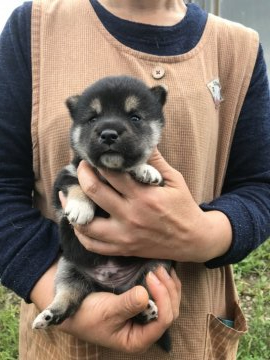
147,221
105,318
110,315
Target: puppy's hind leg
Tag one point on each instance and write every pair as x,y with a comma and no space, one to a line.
70,290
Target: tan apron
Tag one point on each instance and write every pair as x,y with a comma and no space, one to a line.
70,50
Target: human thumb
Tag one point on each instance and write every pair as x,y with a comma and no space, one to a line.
170,176
132,302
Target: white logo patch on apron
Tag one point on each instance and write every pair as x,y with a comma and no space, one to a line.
215,89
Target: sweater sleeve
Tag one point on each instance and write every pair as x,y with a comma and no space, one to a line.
28,243
245,197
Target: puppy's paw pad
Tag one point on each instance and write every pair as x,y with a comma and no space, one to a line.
151,312
79,211
43,320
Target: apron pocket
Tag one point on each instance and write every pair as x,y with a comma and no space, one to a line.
222,340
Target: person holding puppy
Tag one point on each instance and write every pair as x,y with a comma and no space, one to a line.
212,211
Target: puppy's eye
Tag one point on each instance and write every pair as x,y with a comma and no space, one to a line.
92,120
135,118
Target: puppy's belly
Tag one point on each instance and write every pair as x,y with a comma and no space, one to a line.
113,275
118,275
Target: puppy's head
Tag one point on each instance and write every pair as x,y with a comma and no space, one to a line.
117,122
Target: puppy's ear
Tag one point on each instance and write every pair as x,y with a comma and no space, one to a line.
72,103
160,93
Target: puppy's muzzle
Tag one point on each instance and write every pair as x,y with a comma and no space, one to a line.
109,136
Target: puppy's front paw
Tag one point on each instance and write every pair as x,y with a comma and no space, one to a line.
79,211
43,320
151,312
147,174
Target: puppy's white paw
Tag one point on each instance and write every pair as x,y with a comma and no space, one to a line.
147,174
151,312
43,320
80,211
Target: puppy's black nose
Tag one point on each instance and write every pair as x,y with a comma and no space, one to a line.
109,136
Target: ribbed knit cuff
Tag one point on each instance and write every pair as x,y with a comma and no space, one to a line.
242,229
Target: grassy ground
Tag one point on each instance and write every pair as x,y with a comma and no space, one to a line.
9,314
253,282
252,278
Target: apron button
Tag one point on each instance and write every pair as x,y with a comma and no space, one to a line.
158,72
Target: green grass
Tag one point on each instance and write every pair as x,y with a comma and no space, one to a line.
252,277
9,315
253,282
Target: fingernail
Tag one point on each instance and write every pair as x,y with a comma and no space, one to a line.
153,278
165,273
173,272
61,195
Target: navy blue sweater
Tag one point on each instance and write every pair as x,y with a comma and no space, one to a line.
28,242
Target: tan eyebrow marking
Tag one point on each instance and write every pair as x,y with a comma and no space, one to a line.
96,105
131,103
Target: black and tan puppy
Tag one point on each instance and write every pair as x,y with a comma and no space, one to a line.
117,123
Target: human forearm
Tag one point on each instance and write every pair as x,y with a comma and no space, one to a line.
210,238
43,292
248,211
29,243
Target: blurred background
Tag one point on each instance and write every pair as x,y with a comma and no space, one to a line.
6,8
254,14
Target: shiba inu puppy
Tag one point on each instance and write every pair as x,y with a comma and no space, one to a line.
117,123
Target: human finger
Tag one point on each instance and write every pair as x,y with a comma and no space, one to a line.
173,286
99,246
176,279
170,175
102,194
161,296
122,182
62,199
131,303
143,336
